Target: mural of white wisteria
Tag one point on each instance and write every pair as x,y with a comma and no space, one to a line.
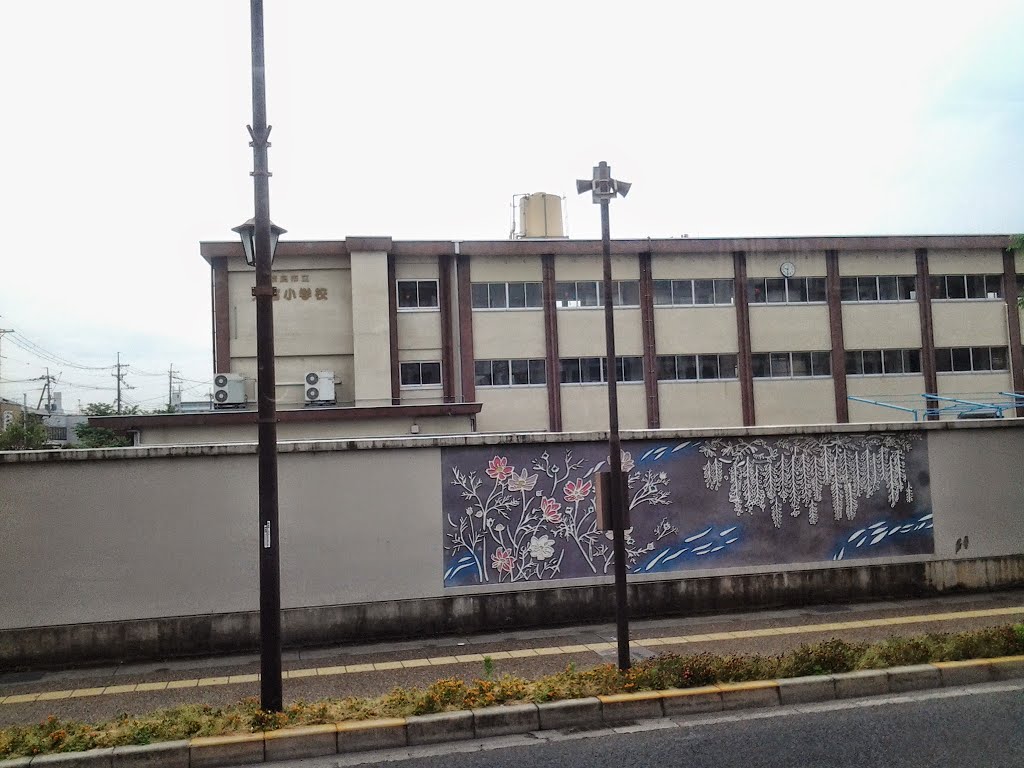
794,472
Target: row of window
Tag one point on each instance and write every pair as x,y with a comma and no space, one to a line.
971,359
786,290
423,294
707,367
883,361
786,365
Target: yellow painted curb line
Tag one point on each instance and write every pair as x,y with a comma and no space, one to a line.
476,658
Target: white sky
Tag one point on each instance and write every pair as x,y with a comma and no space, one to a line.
123,141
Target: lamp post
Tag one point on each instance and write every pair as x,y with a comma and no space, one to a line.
603,188
259,239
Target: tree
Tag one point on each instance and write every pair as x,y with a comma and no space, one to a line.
24,434
106,409
100,437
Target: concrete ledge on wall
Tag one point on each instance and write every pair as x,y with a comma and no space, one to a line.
476,439
487,612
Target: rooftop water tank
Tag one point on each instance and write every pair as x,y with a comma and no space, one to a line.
540,215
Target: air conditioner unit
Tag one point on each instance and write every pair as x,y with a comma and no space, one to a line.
229,390
320,387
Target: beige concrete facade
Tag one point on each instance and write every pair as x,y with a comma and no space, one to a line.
351,319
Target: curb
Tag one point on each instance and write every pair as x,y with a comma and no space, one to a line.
597,711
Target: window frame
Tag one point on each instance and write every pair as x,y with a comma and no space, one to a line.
908,365
681,288
767,362
420,385
988,279
599,290
508,293
419,306
698,363
756,283
861,285
509,362
955,357
586,377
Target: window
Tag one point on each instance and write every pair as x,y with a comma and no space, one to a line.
696,367
785,365
417,294
590,293
786,290
957,359
591,370
873,362
420,374
510,373
507,296
966,287
878,288
684,293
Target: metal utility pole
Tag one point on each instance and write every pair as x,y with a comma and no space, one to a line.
120,381
271,697
46,392
170,387
604,188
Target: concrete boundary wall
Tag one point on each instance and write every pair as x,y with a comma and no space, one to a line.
152,552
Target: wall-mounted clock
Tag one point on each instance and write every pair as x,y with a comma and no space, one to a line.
787,269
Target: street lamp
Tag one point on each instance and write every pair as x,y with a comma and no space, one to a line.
603,188
259,238
247,231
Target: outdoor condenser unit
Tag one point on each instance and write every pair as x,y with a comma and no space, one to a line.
320,387
229,390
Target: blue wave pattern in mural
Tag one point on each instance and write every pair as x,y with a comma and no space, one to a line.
704,543
865,542
525,513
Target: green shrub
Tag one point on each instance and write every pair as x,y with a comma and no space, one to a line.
833,655
897,652
666,671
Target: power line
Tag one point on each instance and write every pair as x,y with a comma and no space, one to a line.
32,348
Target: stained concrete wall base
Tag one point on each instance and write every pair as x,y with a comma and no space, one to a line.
180,636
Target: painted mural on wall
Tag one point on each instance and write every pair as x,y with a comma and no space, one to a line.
520,513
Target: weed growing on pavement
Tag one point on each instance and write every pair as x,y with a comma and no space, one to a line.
451,693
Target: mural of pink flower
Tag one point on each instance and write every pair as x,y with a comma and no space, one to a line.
521,482
578,490
503,560
549,508
498,468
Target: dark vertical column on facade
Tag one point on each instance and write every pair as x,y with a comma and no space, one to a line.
221,317
744,367
466,329
396,381
835,329
554,369
924,303
650,347
1013,322
444,296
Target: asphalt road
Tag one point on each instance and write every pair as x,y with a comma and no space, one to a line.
974,727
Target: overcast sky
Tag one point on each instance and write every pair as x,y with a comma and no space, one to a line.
123,141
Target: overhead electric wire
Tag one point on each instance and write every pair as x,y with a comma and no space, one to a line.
32,348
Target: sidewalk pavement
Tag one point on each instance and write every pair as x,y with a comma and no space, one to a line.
98,693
